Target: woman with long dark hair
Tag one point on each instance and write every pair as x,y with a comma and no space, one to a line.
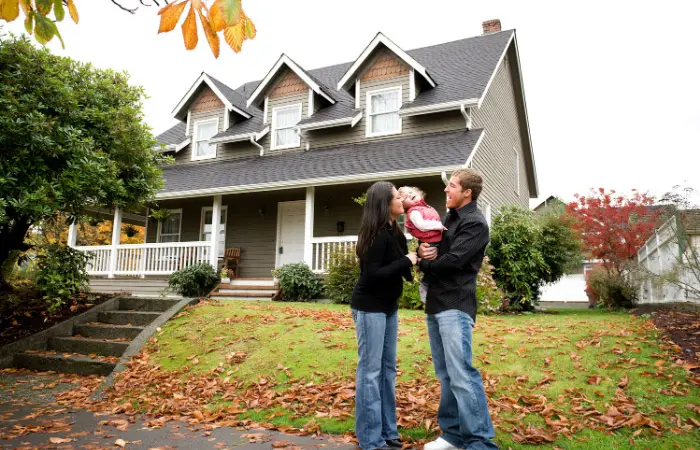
384,261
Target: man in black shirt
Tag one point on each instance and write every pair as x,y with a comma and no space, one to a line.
451,272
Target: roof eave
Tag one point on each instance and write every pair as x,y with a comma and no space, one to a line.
322,181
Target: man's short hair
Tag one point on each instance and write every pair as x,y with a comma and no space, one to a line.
470,179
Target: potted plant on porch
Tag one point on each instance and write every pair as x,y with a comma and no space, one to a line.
161,215
130,231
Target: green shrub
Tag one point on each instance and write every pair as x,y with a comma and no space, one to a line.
489,297
297,282
611,290
343,272
196,280
61,274
528,252
410,297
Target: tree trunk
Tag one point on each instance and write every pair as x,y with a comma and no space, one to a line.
11,238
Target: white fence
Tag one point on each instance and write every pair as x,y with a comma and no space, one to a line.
146,259
323,248
661,254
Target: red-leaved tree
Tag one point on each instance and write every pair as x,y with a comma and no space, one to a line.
613,227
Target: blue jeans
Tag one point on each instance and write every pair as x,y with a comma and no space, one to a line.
463,414
375,392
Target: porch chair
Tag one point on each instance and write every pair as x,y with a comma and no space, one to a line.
232,260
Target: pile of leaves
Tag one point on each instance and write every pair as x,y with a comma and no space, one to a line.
25,316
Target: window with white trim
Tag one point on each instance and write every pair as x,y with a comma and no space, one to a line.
169,229
203,131
516,168
383,112
205,227
284,119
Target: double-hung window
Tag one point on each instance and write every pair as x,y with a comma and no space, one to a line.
169,229
383,112
284,119
203,131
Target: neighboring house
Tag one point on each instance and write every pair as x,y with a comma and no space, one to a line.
277,162
673,248
551,203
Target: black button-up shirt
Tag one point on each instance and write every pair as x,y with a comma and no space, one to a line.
451,277
381,271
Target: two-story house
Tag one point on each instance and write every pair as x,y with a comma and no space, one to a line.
277,162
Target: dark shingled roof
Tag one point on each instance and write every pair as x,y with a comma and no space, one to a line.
382,156
461,69
174,135
232,96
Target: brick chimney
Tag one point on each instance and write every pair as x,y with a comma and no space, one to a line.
491,26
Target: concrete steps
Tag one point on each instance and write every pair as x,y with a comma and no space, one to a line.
246,289
95,347
137,318
66,363
107,331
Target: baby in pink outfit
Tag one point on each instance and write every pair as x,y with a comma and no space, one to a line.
422,221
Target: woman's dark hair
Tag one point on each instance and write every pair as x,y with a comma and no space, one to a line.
375,215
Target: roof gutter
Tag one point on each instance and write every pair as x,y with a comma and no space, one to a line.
438,107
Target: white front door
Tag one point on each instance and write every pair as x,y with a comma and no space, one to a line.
290,232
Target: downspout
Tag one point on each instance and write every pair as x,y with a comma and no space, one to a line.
255,143
467,115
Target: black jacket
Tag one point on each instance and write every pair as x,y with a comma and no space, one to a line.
381,271
451,277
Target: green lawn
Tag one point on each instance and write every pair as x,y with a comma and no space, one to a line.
585,379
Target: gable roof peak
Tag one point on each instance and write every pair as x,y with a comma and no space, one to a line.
230,98
282,61
381,39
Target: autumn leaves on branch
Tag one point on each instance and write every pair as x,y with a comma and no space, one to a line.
215,16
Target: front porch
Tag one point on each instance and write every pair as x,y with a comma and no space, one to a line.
271,228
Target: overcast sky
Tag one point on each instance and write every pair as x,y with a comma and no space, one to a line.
612,87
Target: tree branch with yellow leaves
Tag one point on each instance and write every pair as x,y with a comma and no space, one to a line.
216,17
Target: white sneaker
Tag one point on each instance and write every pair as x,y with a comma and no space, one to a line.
439,444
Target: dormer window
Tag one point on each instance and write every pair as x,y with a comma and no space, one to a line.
203,131
383,112
284,119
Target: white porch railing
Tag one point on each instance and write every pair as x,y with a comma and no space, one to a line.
322,248
146,259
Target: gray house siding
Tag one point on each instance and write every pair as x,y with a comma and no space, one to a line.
495,156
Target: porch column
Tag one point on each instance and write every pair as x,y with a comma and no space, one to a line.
116,233
215,220
309,225
72,234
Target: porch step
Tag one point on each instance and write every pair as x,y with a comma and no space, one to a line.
67,363
252,282
247,299
252,287
246,292
143,304
87,346
137,318
107,331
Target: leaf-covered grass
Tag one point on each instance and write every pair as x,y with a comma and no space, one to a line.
575,379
